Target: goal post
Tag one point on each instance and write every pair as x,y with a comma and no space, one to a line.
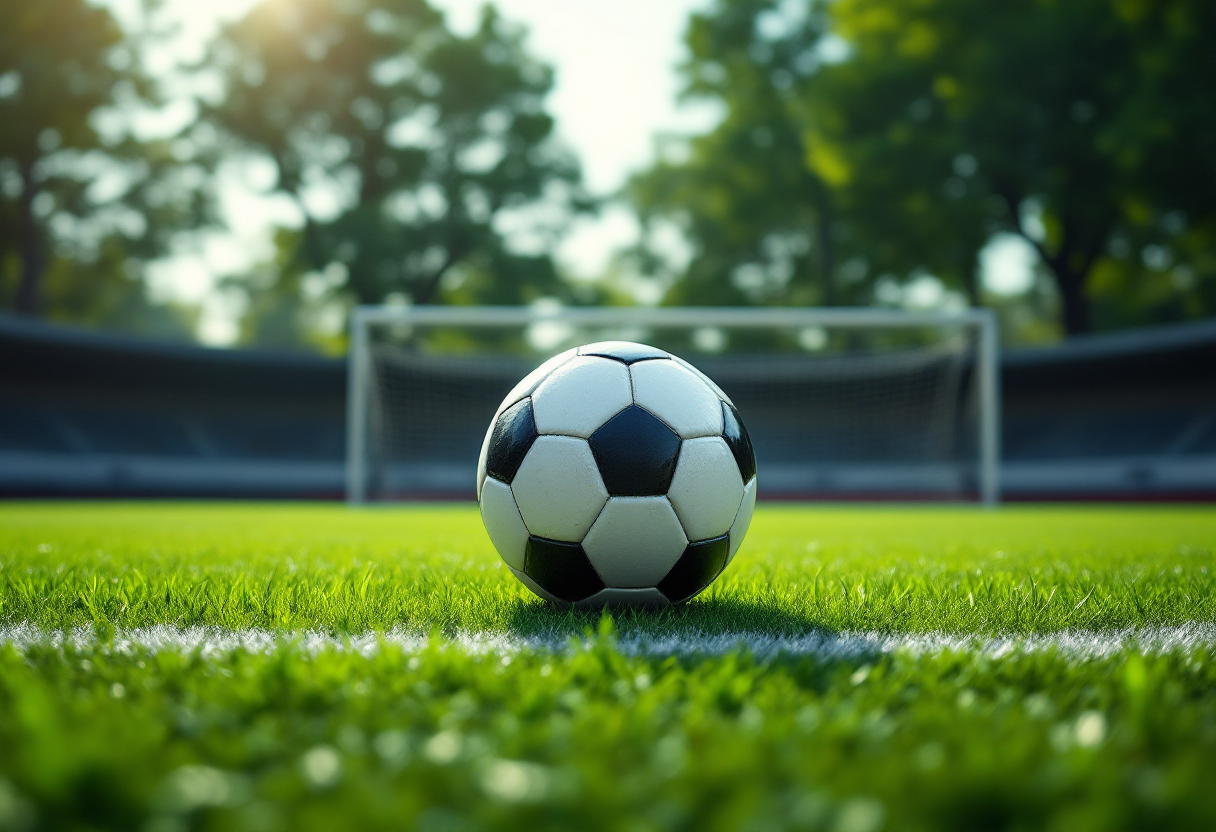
842,403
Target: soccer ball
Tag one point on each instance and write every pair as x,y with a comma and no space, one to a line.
616,473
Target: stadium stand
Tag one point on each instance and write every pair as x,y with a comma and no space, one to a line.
87,414
1123,416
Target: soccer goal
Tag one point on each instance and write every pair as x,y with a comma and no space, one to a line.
841,404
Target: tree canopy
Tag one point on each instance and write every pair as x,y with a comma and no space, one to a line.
910,133
423,164
84,203
863,145
408,149
760,220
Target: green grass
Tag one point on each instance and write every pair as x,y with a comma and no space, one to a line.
591,737
801,569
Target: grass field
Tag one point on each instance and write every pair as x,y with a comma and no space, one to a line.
169,667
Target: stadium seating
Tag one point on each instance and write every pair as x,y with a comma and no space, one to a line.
90,414
1130,415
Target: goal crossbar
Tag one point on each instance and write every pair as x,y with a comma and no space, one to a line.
983,321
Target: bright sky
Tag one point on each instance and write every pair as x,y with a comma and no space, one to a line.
616,89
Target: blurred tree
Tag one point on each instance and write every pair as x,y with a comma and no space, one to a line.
761,198
1085,127
288,307
760,222
84,203
408,150
867,138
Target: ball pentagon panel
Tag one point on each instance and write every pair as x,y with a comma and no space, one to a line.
561,569
510,435
706,490
558,488
581,395
511,438
536,588
636,453
696,569
678,397
740,443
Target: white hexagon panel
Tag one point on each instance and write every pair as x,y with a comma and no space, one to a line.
743,519
678,397
581,395
532,380
558,488
481,459
635,541
712,384
707,488
503,523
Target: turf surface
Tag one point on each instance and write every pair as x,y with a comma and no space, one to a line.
432,734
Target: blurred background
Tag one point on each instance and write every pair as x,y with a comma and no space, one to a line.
194,195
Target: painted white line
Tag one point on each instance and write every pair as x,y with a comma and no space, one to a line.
215,641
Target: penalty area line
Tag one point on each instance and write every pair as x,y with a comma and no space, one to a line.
216,641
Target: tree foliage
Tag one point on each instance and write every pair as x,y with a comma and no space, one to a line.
759,219
1087,128
408,150
84,202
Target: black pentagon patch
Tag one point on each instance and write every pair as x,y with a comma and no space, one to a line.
514,433
739,442
626,352
696,568
636,453
561,569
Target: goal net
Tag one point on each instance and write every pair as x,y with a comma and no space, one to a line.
841,404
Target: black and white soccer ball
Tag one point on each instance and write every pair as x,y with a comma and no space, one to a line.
616,473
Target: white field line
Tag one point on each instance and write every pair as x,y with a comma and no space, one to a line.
215,641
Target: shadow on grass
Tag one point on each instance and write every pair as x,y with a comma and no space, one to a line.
713,616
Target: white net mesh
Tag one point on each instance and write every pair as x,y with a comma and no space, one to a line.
834,412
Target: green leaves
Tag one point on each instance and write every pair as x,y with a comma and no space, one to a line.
877,140
422,142
84,200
